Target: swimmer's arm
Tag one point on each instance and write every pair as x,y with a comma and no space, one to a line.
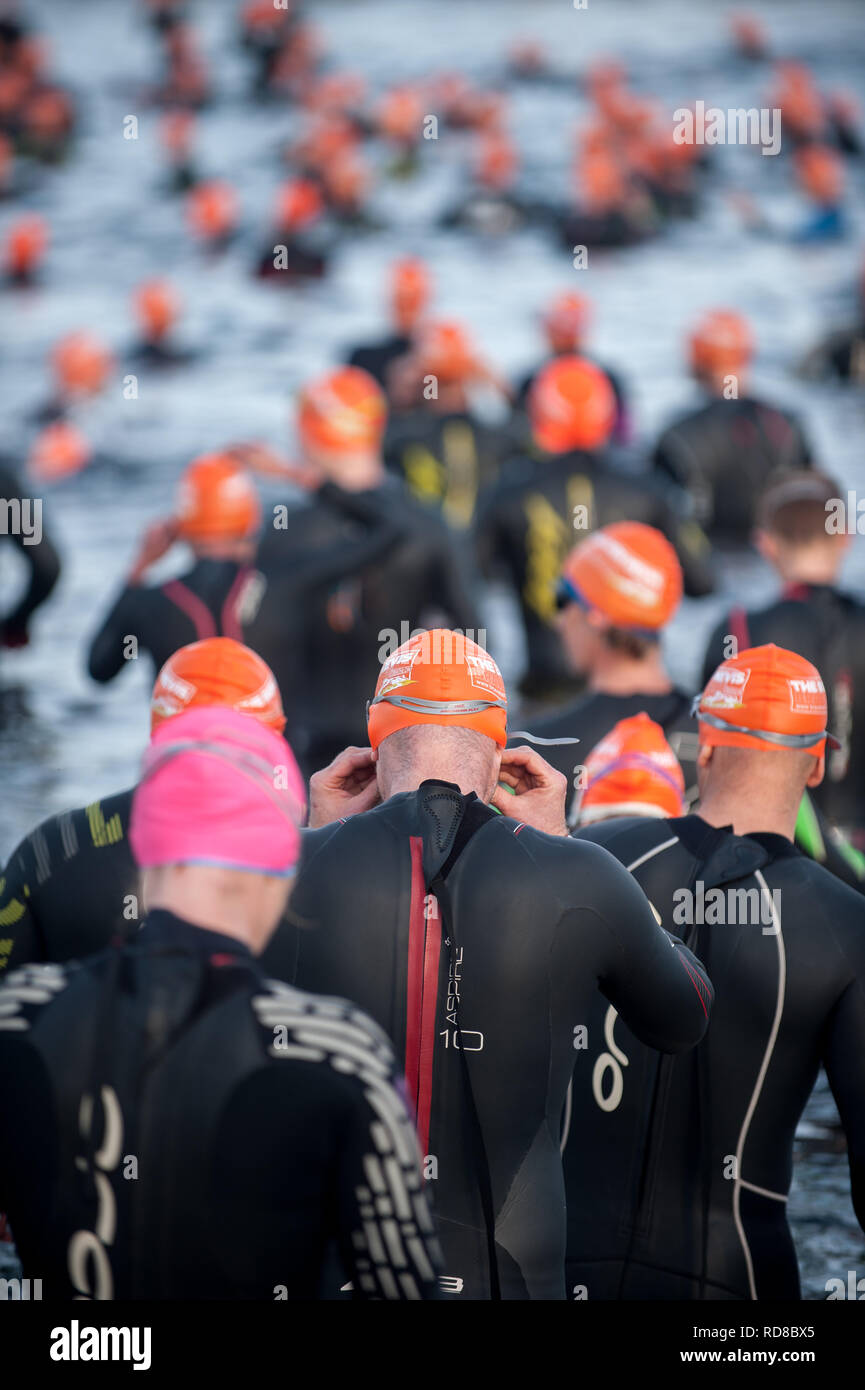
844,1060
20,938
106,657
658,986
44,565
690,542
298,569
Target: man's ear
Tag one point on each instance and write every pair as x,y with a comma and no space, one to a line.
817,772
767,545
497,766
597,620
704,755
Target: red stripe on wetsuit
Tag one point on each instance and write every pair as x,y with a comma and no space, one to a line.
200,615
422,982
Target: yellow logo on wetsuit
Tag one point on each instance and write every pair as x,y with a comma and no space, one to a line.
103,832
451,482
548,539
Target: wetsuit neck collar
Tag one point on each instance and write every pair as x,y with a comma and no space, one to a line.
723,854
451,786
162,928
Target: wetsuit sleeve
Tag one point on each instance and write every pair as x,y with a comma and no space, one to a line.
387,1237
690,542
106,657
657,985
382,531
44,564
20,937
671,457
844,1060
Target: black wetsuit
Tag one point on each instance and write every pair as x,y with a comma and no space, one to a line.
447,461
826,627
724,454
70,887
271,1153
223,598
376,358
621,432
537,922
528,523
840,354
41,557
690,1158
593,716
286,259
324,639
213,599
158,353
618,227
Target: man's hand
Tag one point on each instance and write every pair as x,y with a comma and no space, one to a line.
539,791
157,539
344,788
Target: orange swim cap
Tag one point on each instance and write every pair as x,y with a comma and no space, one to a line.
439,677
566,318
176,130
157,306
217,671
820,173
720,342
343,411
211,209
629,572
81,364
298,204
58,451
601,183
571,406
767,698
25,244
346,181
632,771
497,161
217,500
400,115
444,351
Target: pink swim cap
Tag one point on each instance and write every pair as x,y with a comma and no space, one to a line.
218,787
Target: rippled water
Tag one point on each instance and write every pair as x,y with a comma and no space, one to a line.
70,742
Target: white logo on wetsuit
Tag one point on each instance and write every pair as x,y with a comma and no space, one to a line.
609,1061
87,1260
